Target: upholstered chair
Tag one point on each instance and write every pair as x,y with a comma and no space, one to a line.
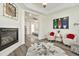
51,36
69,39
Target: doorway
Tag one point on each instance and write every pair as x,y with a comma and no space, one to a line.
31,27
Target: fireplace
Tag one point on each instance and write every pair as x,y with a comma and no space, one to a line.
8,37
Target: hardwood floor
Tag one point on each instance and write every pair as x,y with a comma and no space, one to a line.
22,50
65,48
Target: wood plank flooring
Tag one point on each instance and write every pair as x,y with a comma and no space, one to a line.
22,50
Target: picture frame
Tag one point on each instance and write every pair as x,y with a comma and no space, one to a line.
61,23
10,10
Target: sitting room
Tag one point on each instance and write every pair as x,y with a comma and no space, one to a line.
39,29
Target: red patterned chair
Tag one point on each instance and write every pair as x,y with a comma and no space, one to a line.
69,39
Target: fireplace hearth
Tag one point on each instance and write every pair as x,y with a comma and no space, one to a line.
8,37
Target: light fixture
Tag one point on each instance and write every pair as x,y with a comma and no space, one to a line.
44,5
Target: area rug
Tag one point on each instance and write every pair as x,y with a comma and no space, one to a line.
42,49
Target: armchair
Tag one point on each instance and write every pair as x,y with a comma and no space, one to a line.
51,36
69,39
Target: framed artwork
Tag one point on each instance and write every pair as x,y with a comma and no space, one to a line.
55,23
61,23
10,10
65,23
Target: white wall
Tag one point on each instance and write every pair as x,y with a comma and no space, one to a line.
73,14
6,22
43,26
46,22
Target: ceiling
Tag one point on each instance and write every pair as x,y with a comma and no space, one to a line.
50,8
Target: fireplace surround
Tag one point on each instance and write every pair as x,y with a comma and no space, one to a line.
8,37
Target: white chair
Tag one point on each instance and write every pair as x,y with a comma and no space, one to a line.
51,36
69,39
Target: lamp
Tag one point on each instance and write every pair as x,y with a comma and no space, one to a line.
44,5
